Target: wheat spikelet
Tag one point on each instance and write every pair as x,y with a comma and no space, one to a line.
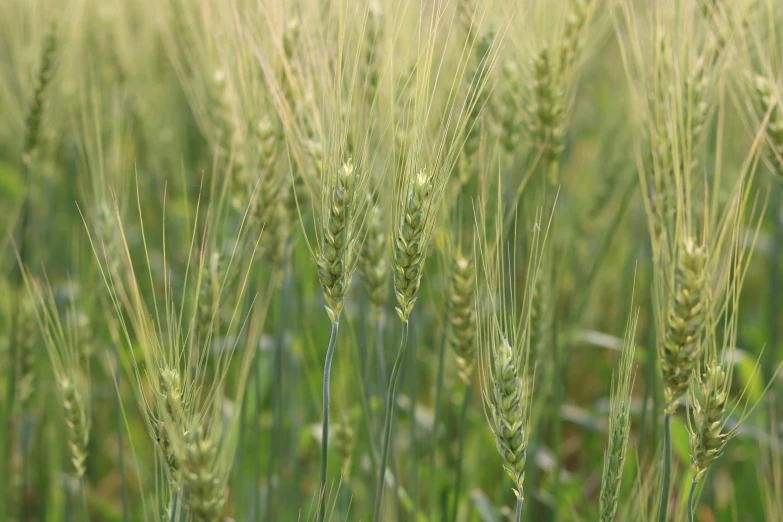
77,422
684,322
333,261
409,246
706,421
461,314
171,425
206,494
373,265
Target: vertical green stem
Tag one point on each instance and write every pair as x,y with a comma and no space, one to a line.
774,278
414,450
84,499
390,400
277,433
666,474
325,425
436,414
461,434
120,450
520,500
691,499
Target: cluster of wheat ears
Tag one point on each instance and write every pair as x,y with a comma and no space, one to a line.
512,178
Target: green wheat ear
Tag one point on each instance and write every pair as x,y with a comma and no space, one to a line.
77,422
619,426
334,259
409,246
507,417
461,314
684,323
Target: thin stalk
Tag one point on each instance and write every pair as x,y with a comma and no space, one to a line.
120,451
560,368
173,506
414,450
257,473
691,499
380,353
520,500
461,434
390,401
666,474
84,499
436,407
325,425
277,431
774,278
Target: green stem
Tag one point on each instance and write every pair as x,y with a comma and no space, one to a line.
120,452
325,425
520,500
460,451
436,415
691,500
84,499
390,400
666,475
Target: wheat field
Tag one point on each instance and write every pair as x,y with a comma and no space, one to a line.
377,260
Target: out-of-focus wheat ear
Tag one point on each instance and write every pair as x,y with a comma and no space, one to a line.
769,105
680,350
333,262
77,422
42,81
473,120
572,39
509,110
410,244
546,113
343,441
269,208
461,314
373,260
372,50
27,343
619,425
